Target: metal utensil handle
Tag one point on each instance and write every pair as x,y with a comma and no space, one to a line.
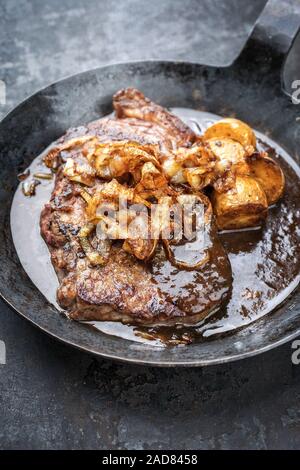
273,34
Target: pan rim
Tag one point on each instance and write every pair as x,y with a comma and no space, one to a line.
152,363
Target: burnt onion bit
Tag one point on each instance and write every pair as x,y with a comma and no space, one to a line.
23,175
29,187
98,256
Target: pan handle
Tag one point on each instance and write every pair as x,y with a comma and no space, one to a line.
272,36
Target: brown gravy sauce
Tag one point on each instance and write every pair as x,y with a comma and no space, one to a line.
265,261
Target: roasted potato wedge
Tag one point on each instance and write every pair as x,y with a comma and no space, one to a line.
243,206
234,129
229,153
269,175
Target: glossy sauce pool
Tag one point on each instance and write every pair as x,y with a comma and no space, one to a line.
265,261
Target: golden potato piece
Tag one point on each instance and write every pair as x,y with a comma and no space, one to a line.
243,206
233,129
229,153
269,175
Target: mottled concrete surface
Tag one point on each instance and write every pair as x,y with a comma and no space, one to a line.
54,397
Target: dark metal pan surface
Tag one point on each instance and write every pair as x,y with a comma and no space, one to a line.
250,88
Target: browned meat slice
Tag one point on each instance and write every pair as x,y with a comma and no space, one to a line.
126,289
112,129
132,129
131,103
138,119
129,291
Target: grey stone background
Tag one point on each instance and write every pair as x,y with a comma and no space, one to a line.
54,397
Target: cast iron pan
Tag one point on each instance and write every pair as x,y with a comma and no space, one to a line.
249,88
